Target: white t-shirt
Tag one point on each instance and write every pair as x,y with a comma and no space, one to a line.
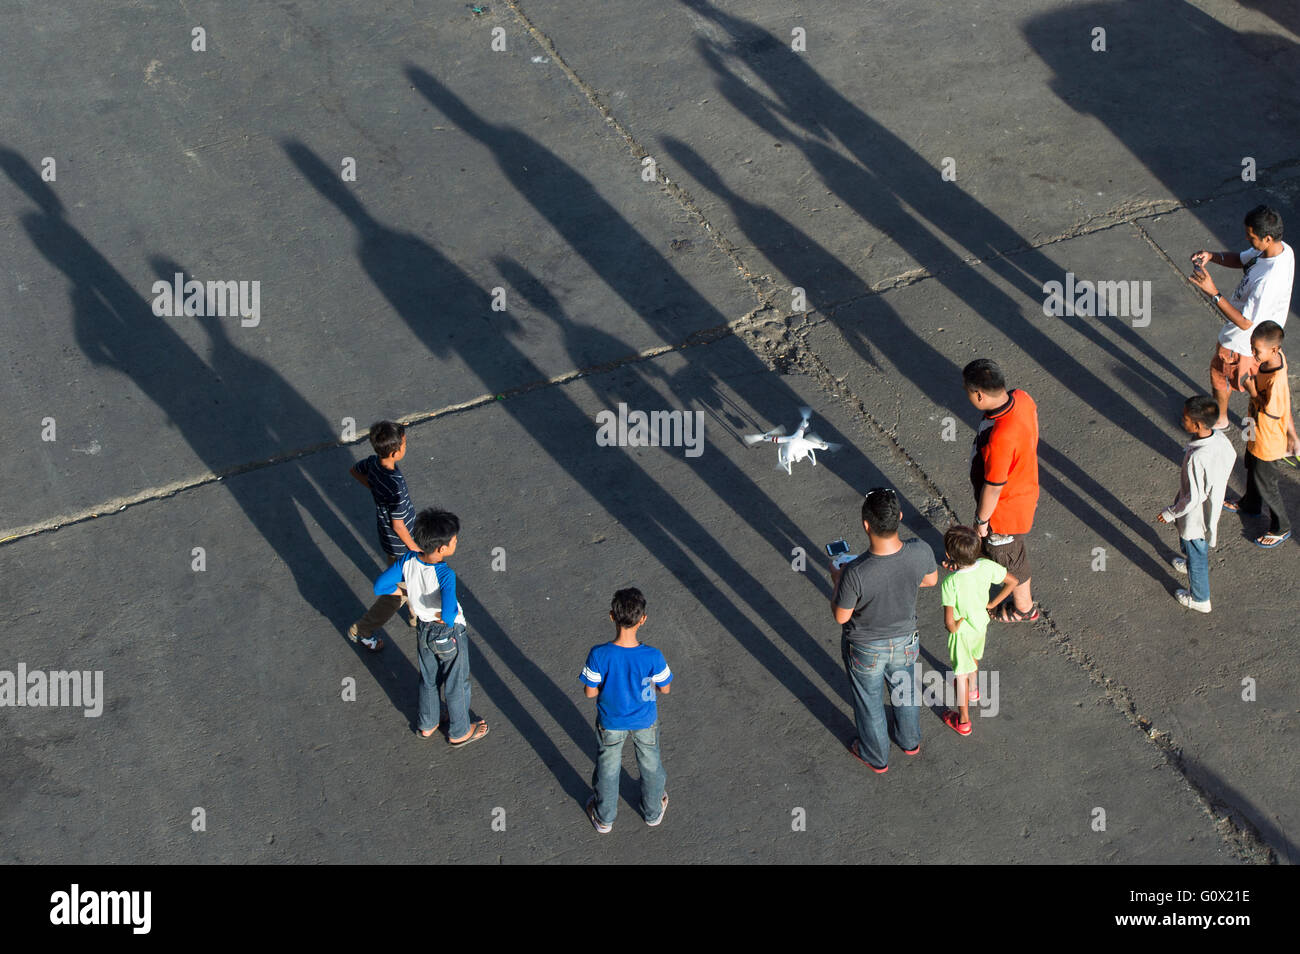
1264,294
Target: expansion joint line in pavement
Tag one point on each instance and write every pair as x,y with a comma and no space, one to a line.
793,351
117,505
1231,825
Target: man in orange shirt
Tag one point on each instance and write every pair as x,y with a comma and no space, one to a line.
1004,475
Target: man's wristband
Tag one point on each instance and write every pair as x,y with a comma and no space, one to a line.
978,521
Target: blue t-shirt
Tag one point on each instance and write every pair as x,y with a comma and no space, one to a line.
626,677
392,502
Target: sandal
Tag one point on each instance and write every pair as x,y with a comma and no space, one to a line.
1231,506
430,733
953,721
480,729
853,750
372,642
1270,540
1007,613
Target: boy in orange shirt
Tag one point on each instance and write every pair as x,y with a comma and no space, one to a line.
1273,438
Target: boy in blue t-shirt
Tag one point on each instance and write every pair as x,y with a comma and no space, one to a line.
623,677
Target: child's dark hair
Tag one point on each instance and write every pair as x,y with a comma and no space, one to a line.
1263,221
1202,409
434,529
1268,333
627,607
386,437
881,512
962,544
983,374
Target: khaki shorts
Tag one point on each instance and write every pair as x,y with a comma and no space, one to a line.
1011,555
1228,367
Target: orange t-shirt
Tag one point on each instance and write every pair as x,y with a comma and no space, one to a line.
1268,408
1006,453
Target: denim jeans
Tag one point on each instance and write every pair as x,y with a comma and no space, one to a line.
609,760
871,668
1198,568
444,667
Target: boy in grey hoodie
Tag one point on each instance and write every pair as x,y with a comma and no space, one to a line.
1207,462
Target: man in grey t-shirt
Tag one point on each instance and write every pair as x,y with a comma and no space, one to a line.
874,600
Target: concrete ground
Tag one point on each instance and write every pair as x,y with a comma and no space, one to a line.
678,211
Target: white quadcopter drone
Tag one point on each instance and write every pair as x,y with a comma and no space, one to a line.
794,448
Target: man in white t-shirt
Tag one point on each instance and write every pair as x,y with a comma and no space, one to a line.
1264,294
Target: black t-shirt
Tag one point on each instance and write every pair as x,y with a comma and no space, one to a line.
881,591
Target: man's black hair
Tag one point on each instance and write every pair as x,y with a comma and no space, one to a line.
628,606
1264,220
983,374
434,529
880,511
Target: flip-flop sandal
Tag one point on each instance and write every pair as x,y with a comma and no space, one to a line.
853,750
973,695
1277,538
953,721
480,730
1007,613
361,641
441,727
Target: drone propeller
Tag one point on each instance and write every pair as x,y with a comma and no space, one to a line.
774,432
824,445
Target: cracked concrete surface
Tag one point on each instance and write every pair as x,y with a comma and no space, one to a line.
731,344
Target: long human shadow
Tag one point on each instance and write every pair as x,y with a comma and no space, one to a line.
409,271
558,703
918,360
116,328
885,173
1163,130
623,259
1165,126
747,501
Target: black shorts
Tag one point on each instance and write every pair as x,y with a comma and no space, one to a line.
1011,555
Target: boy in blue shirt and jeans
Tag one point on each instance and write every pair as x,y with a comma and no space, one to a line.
623,676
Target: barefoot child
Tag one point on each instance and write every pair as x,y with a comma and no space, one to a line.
966,606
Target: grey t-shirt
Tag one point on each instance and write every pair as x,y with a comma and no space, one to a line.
881,591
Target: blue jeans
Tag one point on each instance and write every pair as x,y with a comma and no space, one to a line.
444,666
609,760
870,667
1198,568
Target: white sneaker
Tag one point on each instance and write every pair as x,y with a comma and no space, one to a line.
1180,565
1184,597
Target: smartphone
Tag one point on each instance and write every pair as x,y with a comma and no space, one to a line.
835,549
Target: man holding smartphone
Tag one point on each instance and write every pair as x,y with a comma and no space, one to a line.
873,599
1263,294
